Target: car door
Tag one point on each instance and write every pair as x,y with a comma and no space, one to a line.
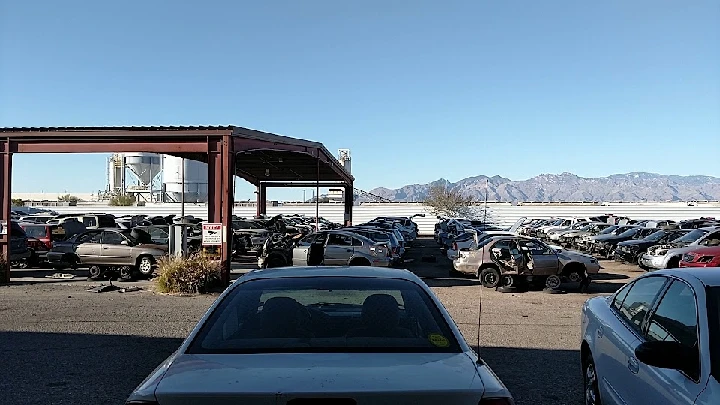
544,260
338,250
114,252
302,250
89,247
675,318
619,335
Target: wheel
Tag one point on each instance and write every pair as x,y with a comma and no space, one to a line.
490,277
125,273
575,276
145,266
507,281
552,282
590,383
96,272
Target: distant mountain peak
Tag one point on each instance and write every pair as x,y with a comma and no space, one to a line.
567,186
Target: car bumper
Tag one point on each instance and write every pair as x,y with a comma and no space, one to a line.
693,264
623,256
653,262
19,256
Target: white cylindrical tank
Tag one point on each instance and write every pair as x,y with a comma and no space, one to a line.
196,179
116,173
344,159
145,166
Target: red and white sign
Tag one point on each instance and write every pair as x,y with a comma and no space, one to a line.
212,234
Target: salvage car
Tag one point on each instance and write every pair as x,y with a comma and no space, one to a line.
706,256
324,335
340,248
632,250
570,239
605,245
654,341
669,256
550,266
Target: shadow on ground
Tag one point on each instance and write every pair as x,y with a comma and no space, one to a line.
85,369
44,368
538,376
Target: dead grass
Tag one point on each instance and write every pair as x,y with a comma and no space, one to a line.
197,273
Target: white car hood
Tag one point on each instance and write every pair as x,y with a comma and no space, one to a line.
259,375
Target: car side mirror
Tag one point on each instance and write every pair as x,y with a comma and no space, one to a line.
124,243
670,355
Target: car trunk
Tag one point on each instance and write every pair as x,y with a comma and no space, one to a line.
360,378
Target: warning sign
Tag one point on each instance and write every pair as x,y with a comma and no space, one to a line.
212,234
3,227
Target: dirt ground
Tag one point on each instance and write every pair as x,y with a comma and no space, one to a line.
60,344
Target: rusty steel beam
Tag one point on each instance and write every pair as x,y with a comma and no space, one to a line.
5,206
110,146
228,202
113,133
305,184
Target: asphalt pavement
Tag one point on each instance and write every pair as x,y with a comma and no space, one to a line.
60,344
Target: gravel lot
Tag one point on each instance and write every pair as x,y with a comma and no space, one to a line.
60,344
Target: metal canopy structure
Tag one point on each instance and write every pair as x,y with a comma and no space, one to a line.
261,158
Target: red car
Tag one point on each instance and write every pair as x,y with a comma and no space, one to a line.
707,256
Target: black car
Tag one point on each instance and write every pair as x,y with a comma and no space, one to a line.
631,250
605,245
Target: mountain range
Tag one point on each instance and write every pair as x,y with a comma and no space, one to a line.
568,187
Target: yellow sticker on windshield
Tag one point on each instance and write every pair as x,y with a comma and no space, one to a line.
438,340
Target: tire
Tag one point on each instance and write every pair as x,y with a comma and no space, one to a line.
552,282
95,273
145,266
125,273
591,391
490,277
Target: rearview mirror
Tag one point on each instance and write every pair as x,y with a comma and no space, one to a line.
670,355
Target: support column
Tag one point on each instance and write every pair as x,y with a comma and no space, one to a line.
349,202
5,206
261,199
216,188
317,193
228,202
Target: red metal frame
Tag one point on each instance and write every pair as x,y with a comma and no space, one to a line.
220,144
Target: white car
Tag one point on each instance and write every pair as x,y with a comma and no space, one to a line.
350,335
655,341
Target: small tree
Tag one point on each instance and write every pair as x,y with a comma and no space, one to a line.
448,202
18,202
68,198
123,200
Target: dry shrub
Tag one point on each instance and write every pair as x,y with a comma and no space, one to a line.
197,273
3,264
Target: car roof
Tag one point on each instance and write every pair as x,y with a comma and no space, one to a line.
709,276
330,271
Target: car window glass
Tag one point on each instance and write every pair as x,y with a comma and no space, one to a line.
92,237
339,240
35,231
326,314
711,240
620,296
535,247
112,238
89,221
356,242
676,317
639,300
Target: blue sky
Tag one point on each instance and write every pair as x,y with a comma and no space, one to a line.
418,90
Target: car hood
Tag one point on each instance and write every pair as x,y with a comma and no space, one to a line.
636,242
608,238
258,374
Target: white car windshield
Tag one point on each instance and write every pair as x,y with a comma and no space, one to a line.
326,314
